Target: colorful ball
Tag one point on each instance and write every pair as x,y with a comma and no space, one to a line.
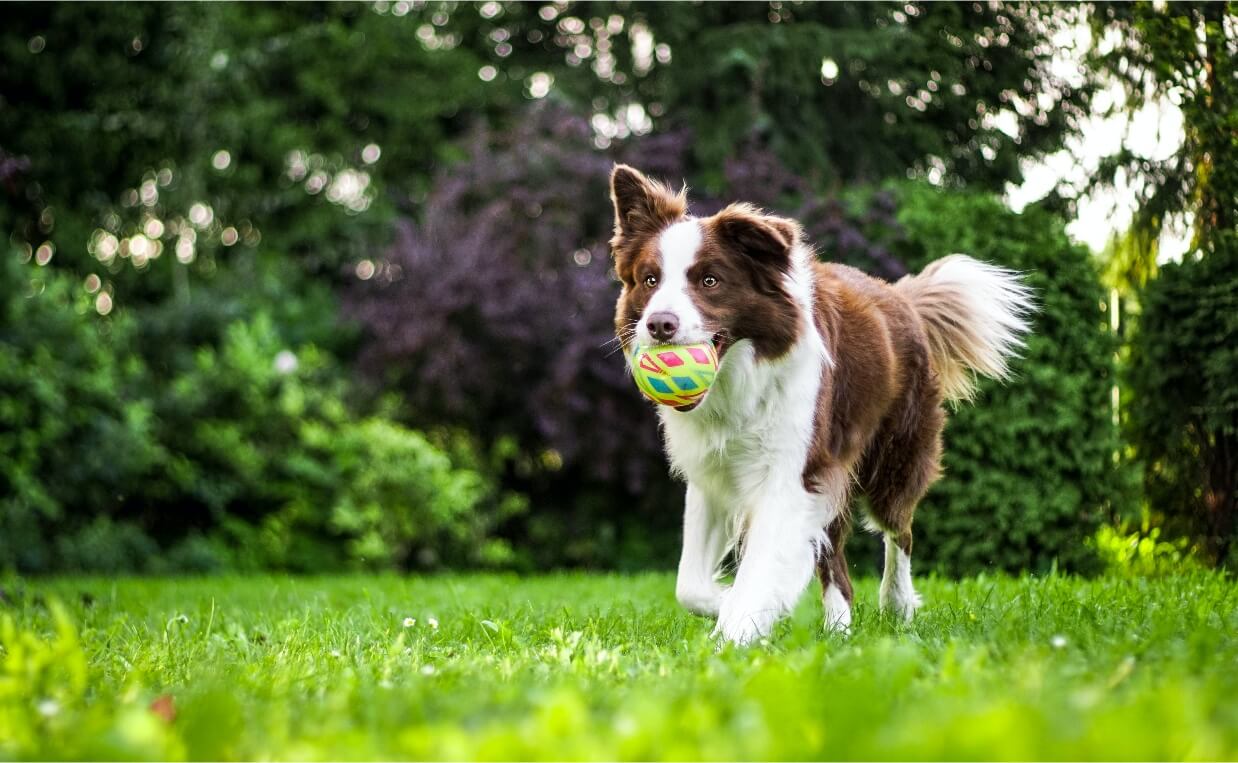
675,375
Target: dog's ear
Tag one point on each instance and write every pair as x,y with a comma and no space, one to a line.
642,206
766,239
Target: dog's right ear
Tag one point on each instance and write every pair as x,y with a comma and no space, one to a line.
764,238
642,206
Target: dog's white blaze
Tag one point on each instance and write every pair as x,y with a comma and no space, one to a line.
678,246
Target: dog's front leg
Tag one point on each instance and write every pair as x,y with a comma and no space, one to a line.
779,555
706,541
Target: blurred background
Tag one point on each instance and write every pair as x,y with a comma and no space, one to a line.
316,287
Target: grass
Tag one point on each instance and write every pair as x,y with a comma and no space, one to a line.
596,666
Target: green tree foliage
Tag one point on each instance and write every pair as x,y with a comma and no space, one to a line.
124,113
1030,466
853,92
844,92
1183,52
1182,413
263,114
1184,421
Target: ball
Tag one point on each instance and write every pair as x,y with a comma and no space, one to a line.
675,375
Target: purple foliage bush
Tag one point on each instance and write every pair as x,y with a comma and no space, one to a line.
492,311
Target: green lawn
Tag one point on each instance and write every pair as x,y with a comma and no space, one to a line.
597,666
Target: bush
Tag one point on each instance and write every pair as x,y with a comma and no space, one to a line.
73,435
1141,551
104,545
1183,419
250,457
1030,467
268,449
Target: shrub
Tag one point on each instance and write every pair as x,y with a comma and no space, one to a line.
105,545
249,457
1183,419
1141,551
73,435
1029,467
269,450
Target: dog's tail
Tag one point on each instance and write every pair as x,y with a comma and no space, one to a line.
975,315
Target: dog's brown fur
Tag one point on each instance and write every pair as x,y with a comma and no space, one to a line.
879,411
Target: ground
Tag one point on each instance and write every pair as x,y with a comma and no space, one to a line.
608,667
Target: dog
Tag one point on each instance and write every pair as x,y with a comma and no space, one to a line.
832,383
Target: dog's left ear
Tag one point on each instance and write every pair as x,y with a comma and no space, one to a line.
767,239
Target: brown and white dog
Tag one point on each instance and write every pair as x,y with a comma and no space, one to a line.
831,382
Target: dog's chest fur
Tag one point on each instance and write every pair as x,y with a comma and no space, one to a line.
753,432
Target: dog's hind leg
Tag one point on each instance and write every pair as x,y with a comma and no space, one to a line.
836,592
896,476
898,595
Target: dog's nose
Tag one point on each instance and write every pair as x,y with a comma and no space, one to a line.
662,326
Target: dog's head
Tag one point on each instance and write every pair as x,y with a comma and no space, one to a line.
685,279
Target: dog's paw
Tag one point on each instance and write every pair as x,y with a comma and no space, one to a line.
901,603
701,600
837,612
741,625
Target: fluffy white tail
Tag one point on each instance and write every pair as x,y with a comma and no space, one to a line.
975,314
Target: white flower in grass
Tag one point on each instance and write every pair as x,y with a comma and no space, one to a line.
427,670
1058,641
48,708
410,622
432,622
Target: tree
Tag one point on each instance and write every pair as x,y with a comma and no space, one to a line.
1184,53
1182,411
844,92
1183,415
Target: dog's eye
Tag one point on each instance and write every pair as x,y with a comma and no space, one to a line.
651,281
709,282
